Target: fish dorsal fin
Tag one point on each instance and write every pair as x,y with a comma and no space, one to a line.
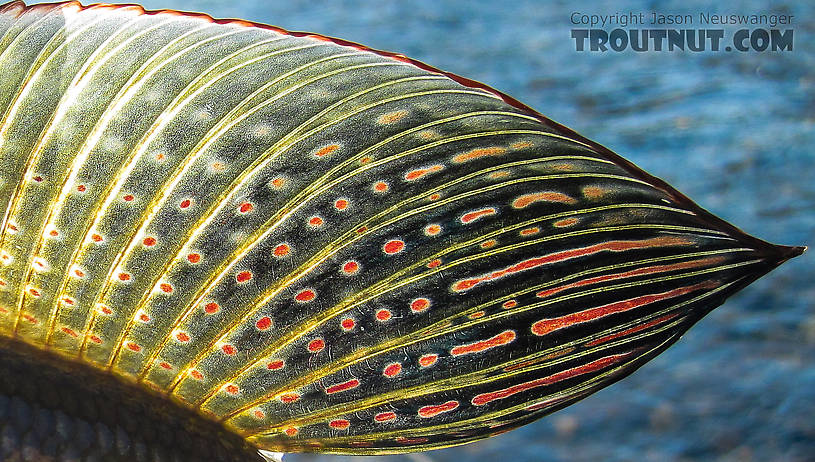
322,246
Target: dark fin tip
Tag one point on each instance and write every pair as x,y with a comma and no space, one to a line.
786,252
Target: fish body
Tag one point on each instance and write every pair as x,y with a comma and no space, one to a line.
251,239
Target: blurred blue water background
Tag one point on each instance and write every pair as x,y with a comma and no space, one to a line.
734,131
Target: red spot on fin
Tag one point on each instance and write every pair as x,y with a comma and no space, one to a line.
432,411
428,360
393,246
545,326
406,440
344,386
339,424
419,173
611,246
392,370
243,276
420,304
637,272
263,323
305,295
133,347
383,315
593,366
245,207
633,330
350,267
472,216
385,416
282,250
315,221
316,345
501,339
70,332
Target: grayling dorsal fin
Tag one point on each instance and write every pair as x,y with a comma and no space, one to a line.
324,247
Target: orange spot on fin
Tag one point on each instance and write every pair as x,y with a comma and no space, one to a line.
428,360
391,117
419,173
70,332
594,192
565,222
327,150
546,196
480,152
